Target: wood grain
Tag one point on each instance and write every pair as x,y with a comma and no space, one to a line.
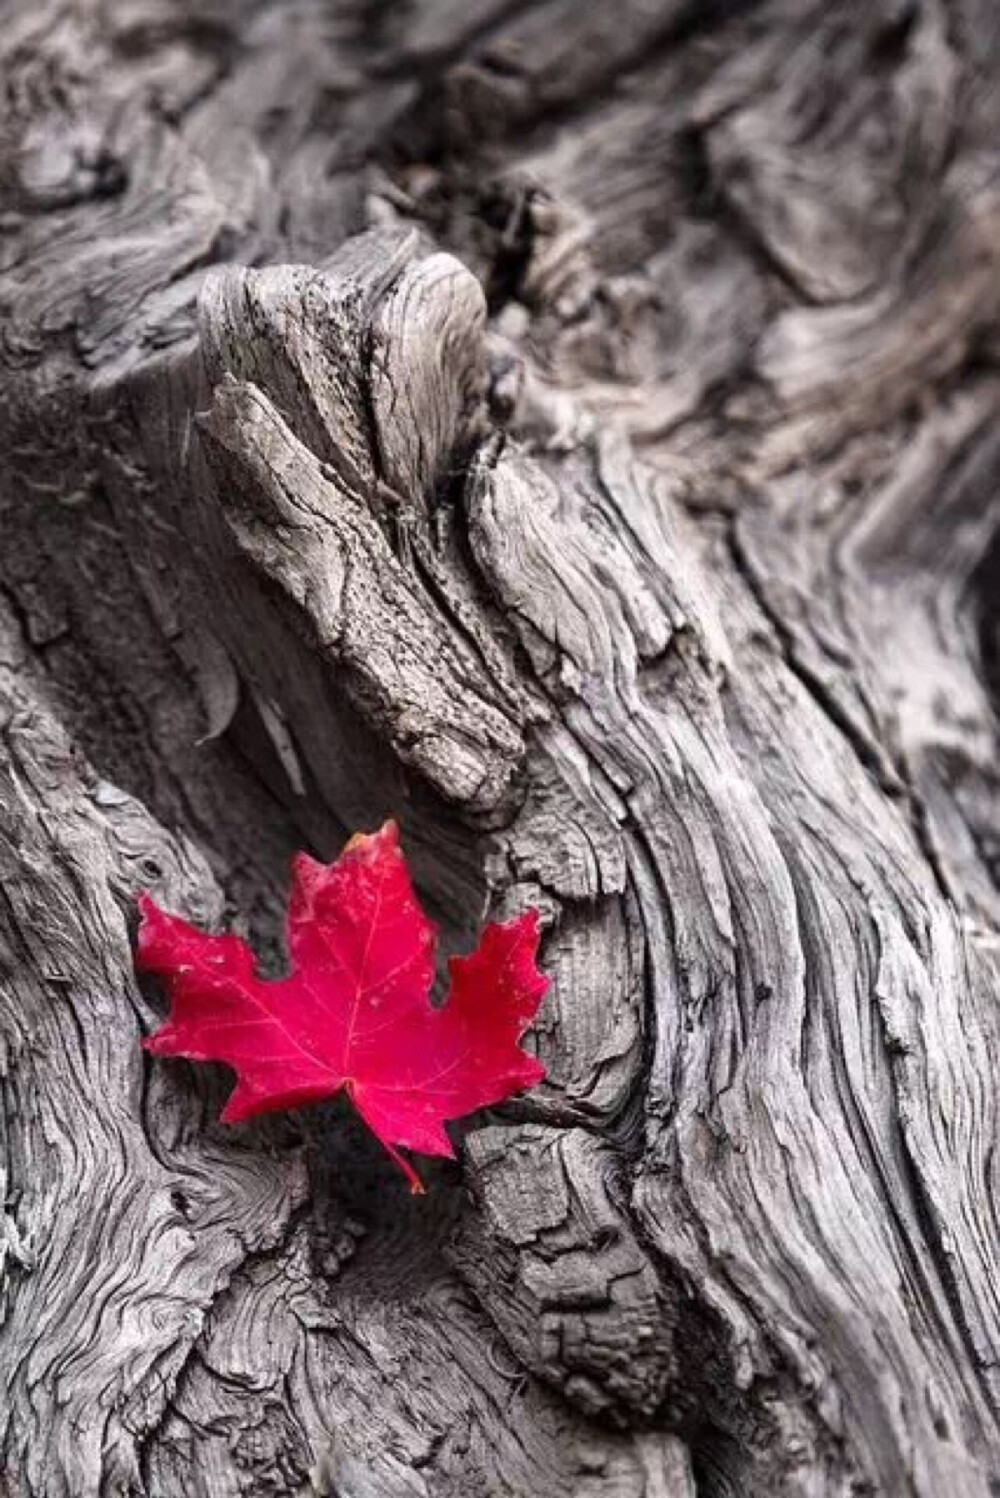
571,430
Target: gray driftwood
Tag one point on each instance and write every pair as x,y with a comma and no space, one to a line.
573,430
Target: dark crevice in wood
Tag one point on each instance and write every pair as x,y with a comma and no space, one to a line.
985,591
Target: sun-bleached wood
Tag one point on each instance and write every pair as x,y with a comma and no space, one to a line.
573,431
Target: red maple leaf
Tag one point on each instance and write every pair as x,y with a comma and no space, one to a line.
355,1011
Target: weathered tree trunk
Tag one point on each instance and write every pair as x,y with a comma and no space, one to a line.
573,429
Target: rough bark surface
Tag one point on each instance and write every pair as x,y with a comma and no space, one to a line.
573,430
